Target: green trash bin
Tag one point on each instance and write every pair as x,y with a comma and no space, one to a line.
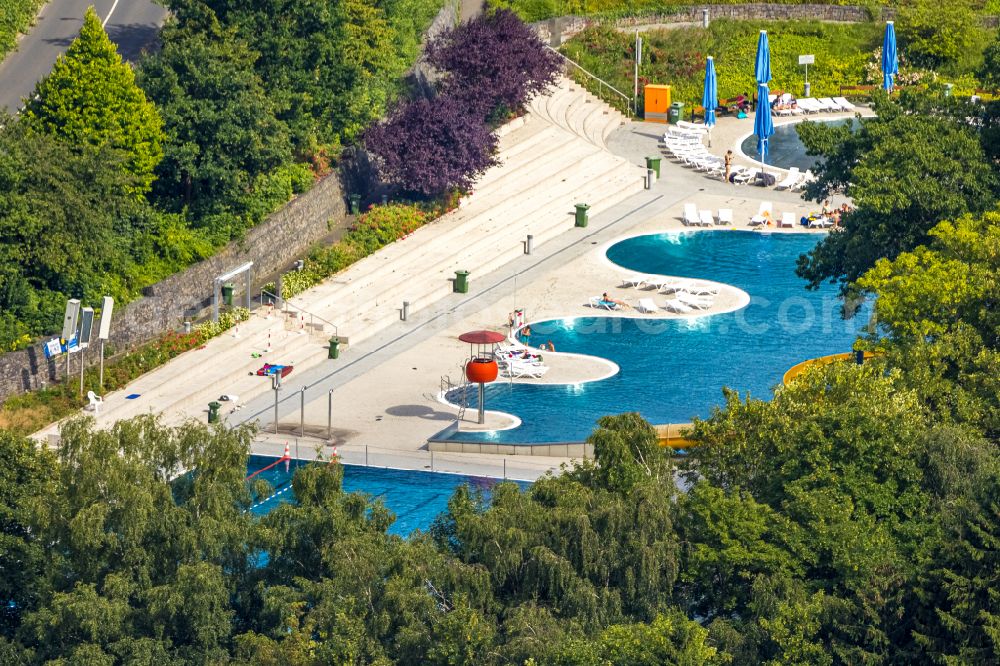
227,293
461,282
334,348
581,214
676,112
653,162
355,204
213,411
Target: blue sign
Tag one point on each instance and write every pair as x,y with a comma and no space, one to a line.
53,348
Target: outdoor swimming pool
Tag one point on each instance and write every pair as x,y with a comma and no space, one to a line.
415,497
674,369
785,149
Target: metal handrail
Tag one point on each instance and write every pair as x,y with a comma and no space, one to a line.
629,102
286,302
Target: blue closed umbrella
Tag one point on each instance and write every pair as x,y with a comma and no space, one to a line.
710,97
762,68
763,125
890,63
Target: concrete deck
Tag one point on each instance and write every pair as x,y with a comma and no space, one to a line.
385,389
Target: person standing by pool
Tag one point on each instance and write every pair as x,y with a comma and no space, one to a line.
729,165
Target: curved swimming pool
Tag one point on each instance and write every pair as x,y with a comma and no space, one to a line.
785,149
674,369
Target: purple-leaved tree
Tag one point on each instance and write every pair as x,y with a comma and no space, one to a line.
493,61
431,146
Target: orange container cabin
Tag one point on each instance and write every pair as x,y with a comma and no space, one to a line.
657,103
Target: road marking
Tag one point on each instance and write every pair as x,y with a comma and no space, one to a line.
108,18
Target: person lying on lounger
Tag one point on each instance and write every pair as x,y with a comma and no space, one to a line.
615,301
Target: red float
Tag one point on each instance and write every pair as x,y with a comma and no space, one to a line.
482,370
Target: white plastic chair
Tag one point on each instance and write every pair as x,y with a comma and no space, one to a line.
765,211
95,402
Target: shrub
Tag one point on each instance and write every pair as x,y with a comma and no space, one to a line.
431,146
494,61
375,229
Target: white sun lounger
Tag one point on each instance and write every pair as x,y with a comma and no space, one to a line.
830,104
691,214
697,302
677,306
515,369
759,219
820,223
844,104
746,176
647,305
790,180
691,127
807,178
706,218
637,281
725,216
787,220
810,105
700,288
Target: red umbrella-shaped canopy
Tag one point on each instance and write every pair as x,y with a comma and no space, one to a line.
482,337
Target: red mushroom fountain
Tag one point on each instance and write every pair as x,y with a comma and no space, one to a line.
482,367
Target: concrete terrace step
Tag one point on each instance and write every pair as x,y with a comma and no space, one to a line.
570,106
532,204
413,251
487,253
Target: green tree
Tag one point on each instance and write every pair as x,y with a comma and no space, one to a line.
905,172
962,581
934,33
671,639
25,472
90,100
822,519
933,308
64,220
223,133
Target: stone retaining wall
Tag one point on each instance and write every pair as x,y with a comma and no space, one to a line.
553,31
447,18
165,305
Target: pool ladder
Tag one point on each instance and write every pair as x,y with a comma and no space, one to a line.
447,386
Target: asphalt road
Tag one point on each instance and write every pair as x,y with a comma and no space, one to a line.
132,24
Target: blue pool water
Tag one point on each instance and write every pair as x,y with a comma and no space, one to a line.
785,149
415,497
674,369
